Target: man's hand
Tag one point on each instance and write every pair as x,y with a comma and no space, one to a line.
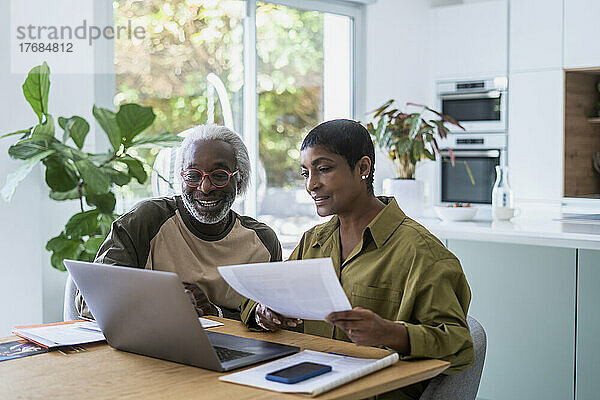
200,301
366,328
272,321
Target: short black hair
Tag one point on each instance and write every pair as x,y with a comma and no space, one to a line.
347,138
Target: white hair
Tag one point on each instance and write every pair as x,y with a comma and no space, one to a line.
204,133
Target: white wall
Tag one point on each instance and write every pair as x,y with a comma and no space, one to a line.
30,289
398,66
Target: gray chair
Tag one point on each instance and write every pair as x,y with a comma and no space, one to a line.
465,384
69,311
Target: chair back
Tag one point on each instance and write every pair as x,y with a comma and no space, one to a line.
463,385
69,311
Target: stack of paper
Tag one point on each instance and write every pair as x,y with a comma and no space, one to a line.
66,333
344,369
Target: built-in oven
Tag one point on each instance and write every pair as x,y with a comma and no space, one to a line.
479,105
471,178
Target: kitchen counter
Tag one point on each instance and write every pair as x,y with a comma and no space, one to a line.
534,284
541,230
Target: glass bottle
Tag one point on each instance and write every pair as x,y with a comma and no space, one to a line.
502,194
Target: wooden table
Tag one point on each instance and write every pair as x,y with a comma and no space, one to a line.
102,372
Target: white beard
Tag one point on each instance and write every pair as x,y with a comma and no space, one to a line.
205,217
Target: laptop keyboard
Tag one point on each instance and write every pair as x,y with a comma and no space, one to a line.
226,354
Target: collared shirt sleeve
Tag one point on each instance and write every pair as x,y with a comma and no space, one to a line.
440,295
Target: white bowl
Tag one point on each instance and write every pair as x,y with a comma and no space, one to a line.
455,213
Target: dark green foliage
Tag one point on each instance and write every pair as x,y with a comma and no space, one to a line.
206,37
72,173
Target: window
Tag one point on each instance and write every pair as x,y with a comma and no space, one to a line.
189,69
303,78
202,61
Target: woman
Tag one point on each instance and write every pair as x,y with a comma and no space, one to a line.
407,290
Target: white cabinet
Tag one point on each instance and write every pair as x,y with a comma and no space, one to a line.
582,33
470,40
536,34
535,135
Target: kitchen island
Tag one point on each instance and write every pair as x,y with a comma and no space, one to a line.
535,286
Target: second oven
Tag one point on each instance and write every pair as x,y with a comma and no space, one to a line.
472,177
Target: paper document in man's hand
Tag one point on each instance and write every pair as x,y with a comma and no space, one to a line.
306,289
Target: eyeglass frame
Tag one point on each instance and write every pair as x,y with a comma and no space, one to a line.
204,174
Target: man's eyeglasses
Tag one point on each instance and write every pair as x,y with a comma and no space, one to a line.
219,177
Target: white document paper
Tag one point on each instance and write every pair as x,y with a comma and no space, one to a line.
306,289
344,369
62,334
209,323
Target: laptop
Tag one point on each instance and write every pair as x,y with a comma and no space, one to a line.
147,312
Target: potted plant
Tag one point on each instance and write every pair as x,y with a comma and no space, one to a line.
72,173
407,138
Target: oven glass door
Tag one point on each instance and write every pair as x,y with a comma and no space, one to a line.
472,109
471,179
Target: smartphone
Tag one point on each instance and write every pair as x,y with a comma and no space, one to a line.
298,373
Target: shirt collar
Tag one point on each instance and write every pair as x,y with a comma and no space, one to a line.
380,228
326,230
386,222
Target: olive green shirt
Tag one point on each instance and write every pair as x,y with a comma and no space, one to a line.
403,273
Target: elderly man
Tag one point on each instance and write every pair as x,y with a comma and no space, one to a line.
193,233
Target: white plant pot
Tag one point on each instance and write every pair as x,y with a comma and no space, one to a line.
409,194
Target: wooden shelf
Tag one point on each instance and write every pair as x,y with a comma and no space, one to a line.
582,134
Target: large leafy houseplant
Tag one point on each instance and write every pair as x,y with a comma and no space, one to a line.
403,136
72,173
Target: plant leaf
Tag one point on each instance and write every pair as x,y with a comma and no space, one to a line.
381,108
446,118
60,175
380,128
61,196
119,178
133,119
92,245
135,168
441,128
415,125
165,139
417,150
15,177
67,151
104,202
102,158
83,223
403,145
93,177
429,155
105,223
44,129
76,128
108,121
36,89
62,248
27,132
436,148
27,148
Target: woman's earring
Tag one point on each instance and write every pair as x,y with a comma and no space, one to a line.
364,177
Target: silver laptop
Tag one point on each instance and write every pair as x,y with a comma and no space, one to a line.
147,312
